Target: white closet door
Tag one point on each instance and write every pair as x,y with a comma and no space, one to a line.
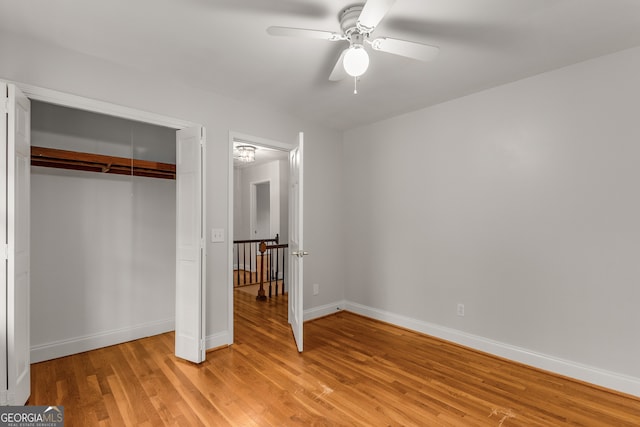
190,244
16,171
3,240
296,247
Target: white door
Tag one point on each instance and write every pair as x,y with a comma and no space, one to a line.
296,248
4,103
190,244
15,181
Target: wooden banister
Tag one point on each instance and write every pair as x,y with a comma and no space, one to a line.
257,240
269,259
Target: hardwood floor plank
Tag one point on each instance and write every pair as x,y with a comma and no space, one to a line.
354,371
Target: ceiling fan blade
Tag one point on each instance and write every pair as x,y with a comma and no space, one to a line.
339,72
311,9
303,32
414,50
373,12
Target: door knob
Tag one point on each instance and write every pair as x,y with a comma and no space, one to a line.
299,254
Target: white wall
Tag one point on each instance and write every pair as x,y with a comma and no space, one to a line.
103,246
263,211
520,202
266,172
240,229
72,129
100,273
50,66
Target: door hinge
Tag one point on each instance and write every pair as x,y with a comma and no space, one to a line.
5,251
202,344
4,105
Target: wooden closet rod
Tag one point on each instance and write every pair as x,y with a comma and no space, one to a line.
63,159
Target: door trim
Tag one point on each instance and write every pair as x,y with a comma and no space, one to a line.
101,107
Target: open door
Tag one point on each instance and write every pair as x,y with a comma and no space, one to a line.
296,248
15,164
190,244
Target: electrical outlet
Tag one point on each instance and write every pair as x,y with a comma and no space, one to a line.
316,288
460,310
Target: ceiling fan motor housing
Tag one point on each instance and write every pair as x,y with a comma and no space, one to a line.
349,18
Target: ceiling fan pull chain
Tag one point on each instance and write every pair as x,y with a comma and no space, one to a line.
355,85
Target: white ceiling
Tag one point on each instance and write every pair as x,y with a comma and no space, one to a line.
222,46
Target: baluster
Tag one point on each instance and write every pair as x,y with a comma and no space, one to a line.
277,270
237,246
244,263
277,263
251,255
269,272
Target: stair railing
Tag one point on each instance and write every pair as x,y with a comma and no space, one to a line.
245,254
274,268
260,262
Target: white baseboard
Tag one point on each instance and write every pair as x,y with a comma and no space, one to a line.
221,339
590,374
324,310
55,349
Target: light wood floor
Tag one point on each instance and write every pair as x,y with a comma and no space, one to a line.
354,371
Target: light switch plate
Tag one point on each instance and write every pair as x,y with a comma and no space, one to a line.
217,235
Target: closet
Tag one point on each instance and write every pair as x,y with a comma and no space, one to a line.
103,230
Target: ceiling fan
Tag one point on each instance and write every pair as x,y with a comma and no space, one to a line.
358,23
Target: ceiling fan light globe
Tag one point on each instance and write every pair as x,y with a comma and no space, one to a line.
356,61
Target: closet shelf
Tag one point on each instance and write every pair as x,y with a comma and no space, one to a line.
63,159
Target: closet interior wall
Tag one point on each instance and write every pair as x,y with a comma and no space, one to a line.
103,246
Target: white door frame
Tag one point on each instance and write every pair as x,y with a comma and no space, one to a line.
87,104
81,103
254,140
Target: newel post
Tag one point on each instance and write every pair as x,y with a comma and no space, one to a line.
261,295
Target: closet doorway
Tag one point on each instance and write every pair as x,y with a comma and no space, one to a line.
103,237
16,286
189,225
